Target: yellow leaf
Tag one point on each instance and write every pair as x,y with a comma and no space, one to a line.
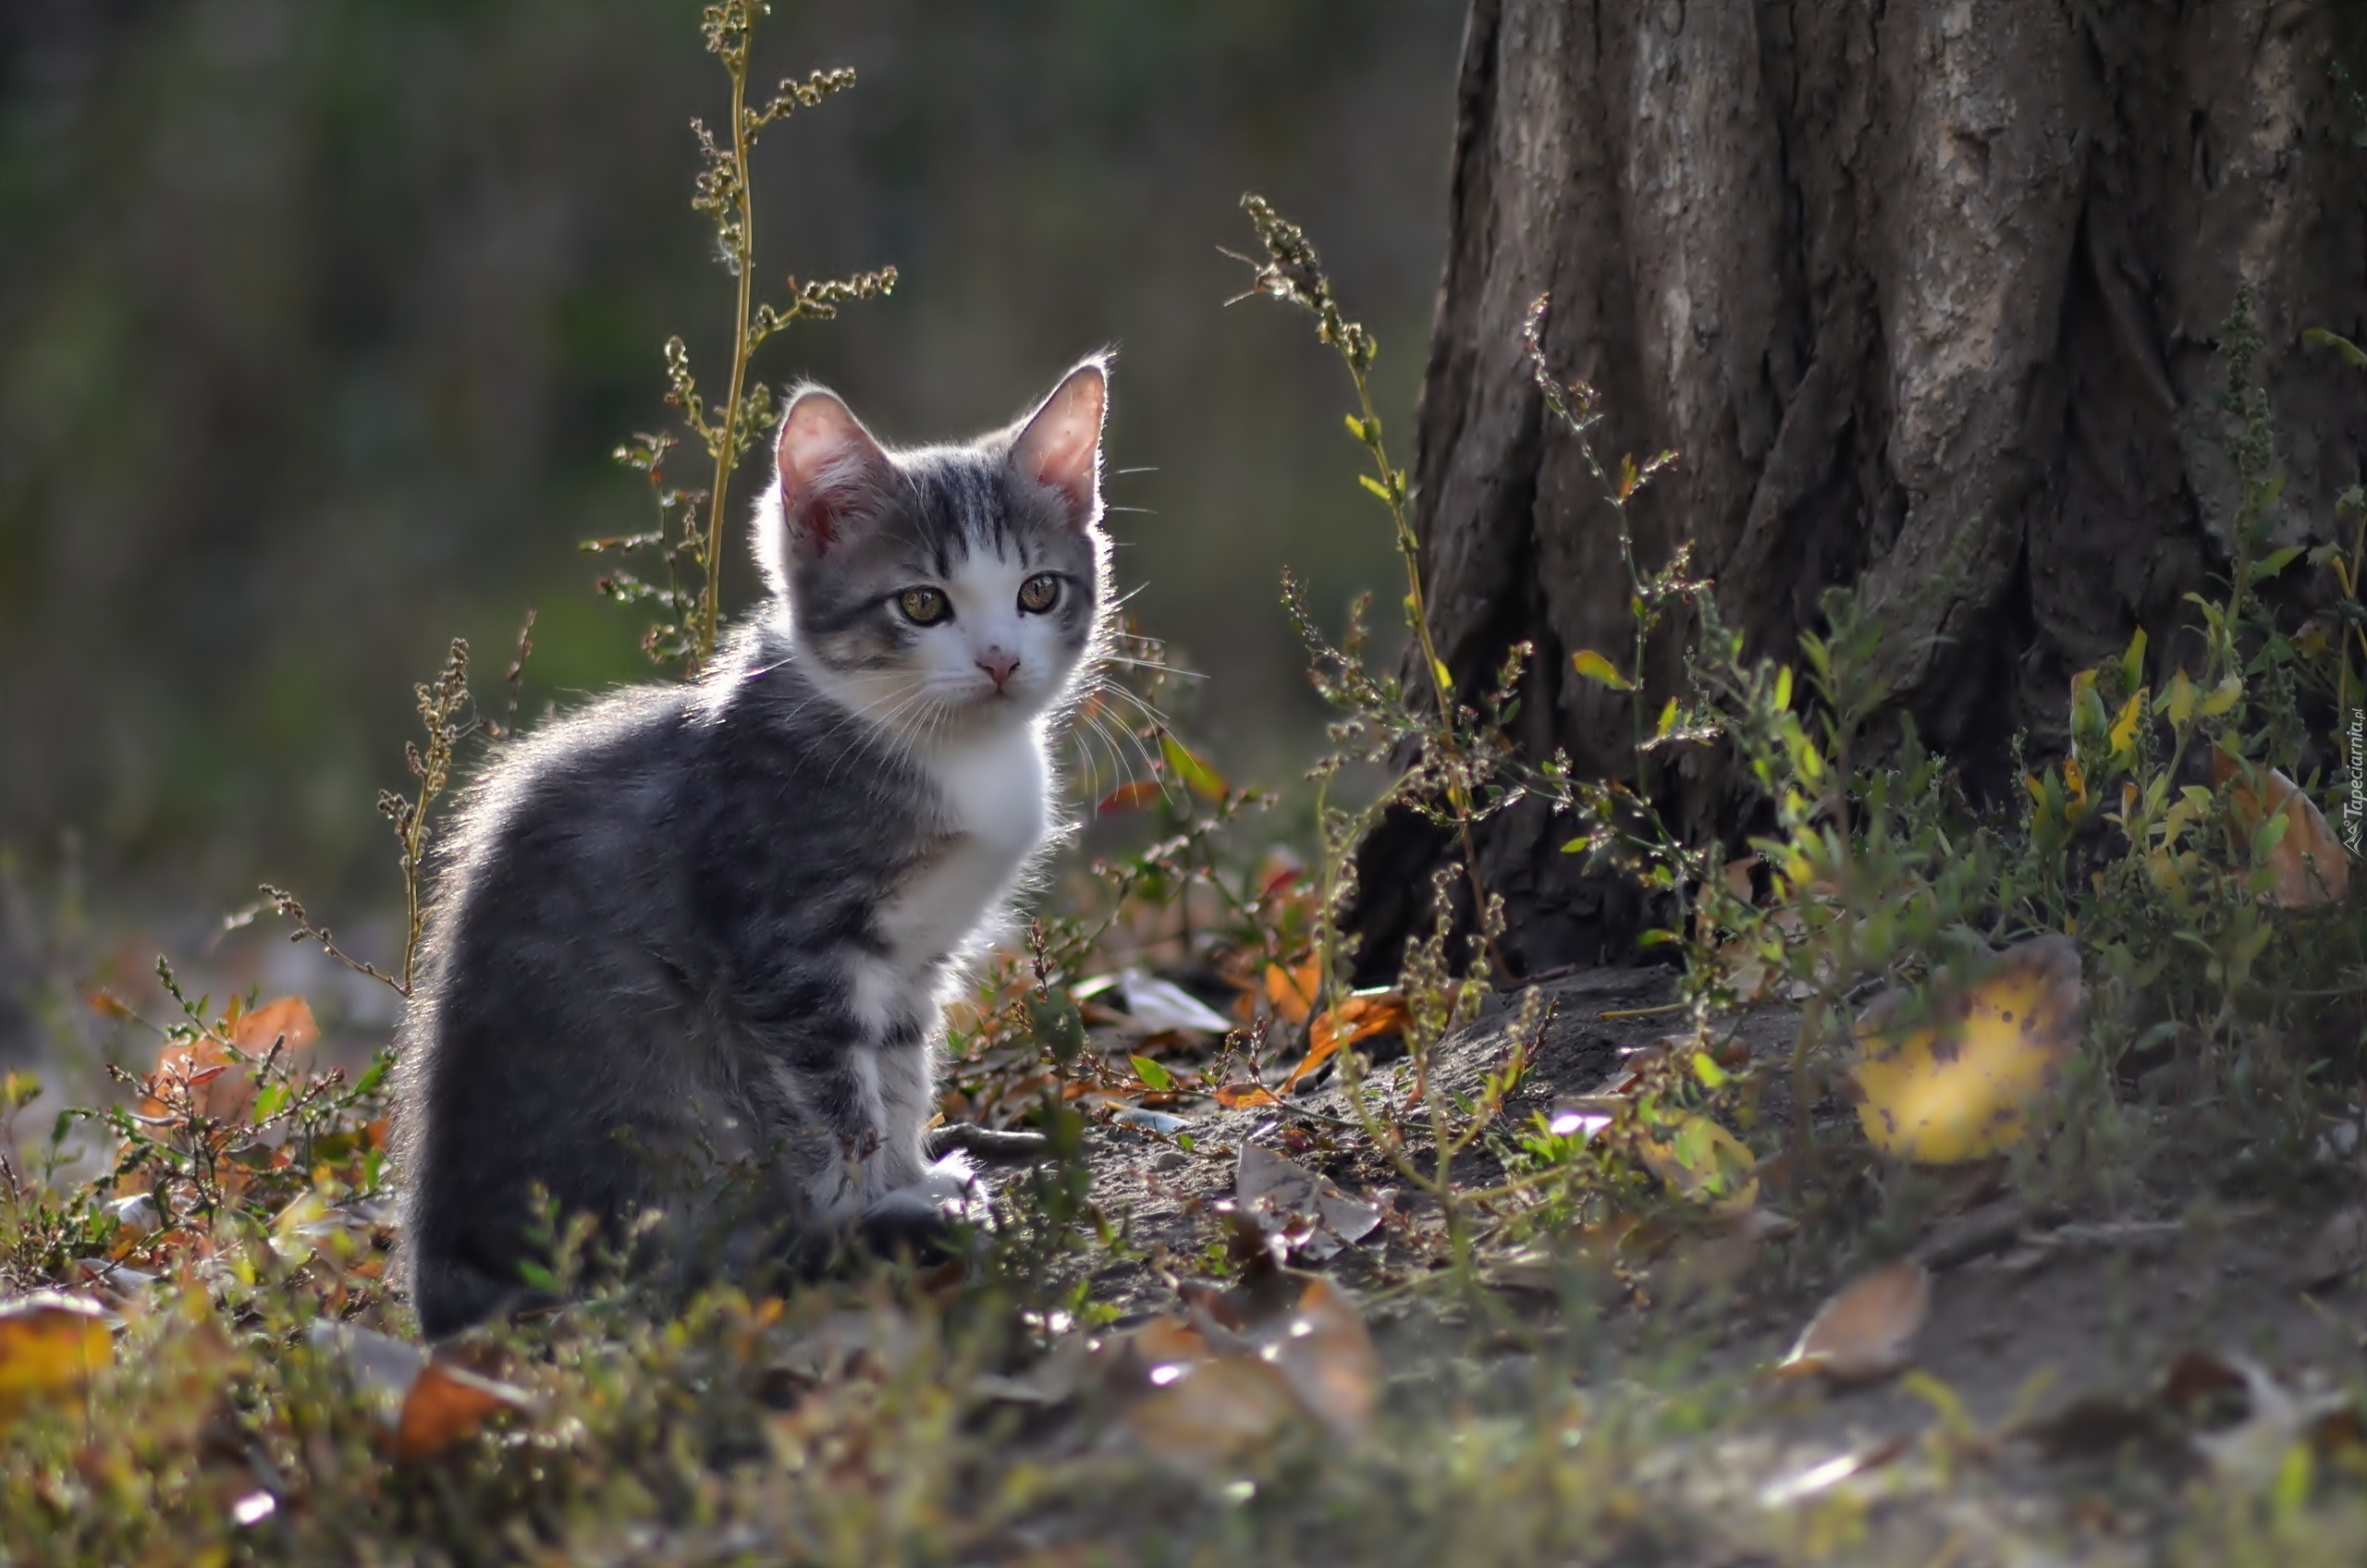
1594,666
2124,728
1862,1333
1957,1084
1706,1163
2178,699
50,1342
2223,697
1198,775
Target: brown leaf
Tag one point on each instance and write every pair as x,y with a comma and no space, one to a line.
1358,1016
2338,1250
445,1404
1203,1415
1240,1097
51,1341
1306,1328
2310,864
1861,1334
1133,795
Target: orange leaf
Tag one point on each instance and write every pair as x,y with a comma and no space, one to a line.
1239,1097
50,1342
1358,1016
287,1020
2310,864
447,1404
1293,990
201,1065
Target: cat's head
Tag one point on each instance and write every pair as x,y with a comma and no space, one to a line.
941,591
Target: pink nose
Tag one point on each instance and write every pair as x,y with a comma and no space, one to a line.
999,666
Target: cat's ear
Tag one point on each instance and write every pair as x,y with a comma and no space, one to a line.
829,470
1061,444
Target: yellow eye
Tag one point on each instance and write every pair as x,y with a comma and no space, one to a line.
1039,592
923,607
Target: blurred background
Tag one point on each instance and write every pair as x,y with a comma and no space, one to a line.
322,318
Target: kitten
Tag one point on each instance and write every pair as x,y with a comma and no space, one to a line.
714,922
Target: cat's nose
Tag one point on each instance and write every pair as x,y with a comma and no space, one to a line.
998,665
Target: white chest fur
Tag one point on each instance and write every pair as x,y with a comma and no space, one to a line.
992,792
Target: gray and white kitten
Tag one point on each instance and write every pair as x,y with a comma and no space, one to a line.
714,922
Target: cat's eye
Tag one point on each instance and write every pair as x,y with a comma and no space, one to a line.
1039,592
924,607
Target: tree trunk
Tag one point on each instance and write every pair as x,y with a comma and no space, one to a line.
1894,280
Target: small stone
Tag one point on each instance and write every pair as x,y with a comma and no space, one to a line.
1172,1159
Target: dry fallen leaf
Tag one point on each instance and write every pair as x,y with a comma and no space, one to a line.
218,1087
447,1404
1239,1097
1956,1083
1204,1414
426,1404
1160,1005
1293,991
1358,1016
1706,1163
2310,864
1277,1192
286,1023
1251,1362
2338,1250
50,1342
1717,1260
1832,1473
1305,1328
1861,1334
1132,795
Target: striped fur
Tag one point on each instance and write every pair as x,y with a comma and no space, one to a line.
691,941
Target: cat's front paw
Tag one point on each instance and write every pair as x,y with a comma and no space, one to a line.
928,1220
987,1145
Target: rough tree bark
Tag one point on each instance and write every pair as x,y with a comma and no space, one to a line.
1885,275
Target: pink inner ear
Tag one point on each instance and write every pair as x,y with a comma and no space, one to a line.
824,458
1062,444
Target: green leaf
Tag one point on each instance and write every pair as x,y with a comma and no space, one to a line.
1784,688
1705,1068
1155,1078
1361,430
1594,666
1667,722
2352,355
2269,566
1198,775
1376,487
